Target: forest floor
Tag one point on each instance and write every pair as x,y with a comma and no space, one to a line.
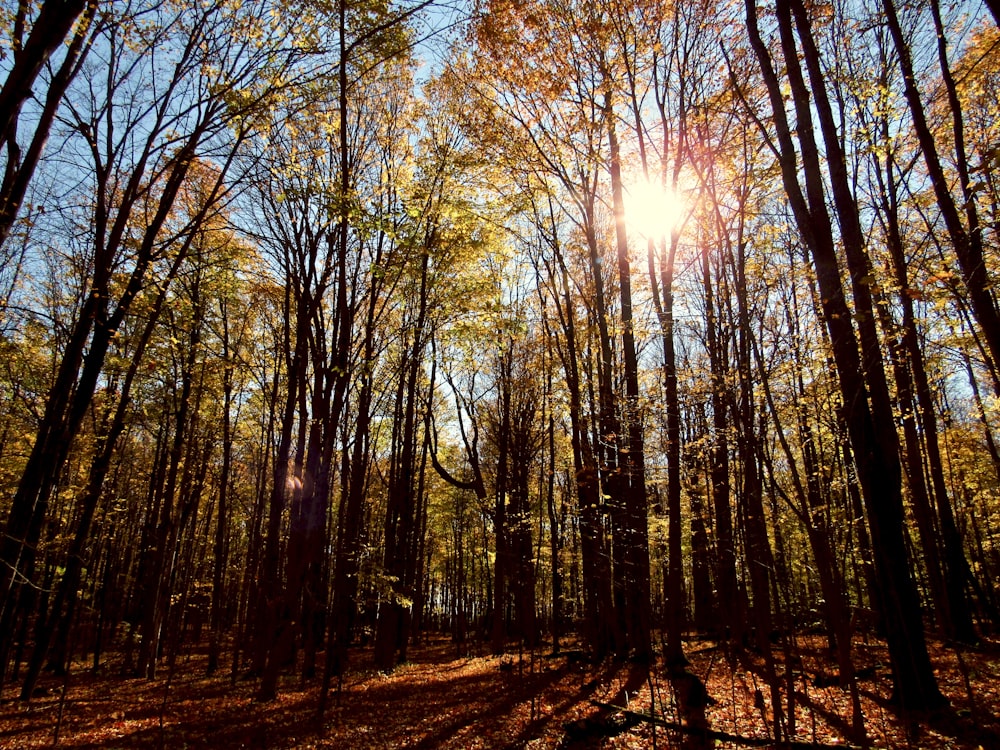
441,699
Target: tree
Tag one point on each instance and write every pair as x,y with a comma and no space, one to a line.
561,97
864,389
52,24
141,141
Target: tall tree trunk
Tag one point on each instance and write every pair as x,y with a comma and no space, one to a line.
608,480
62,610
597,594
221,556
555,526
873,437
350,517
502,556
392,632
631,470
266,641
750,505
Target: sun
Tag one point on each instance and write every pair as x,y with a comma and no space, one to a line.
652,210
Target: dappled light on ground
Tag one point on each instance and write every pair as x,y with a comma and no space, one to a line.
531,700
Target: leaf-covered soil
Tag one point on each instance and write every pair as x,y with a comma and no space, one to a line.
442,699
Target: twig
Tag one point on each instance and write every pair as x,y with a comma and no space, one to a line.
724,736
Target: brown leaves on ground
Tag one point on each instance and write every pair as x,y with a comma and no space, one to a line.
443,700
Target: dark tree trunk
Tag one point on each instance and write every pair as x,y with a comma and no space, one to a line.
595,558
555,530
605,491
221,556
21,168
706,611
663,298
502,557
393,627
873,437
631,450
266,628
525,443
350,518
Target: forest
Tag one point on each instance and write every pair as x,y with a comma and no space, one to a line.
643,356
